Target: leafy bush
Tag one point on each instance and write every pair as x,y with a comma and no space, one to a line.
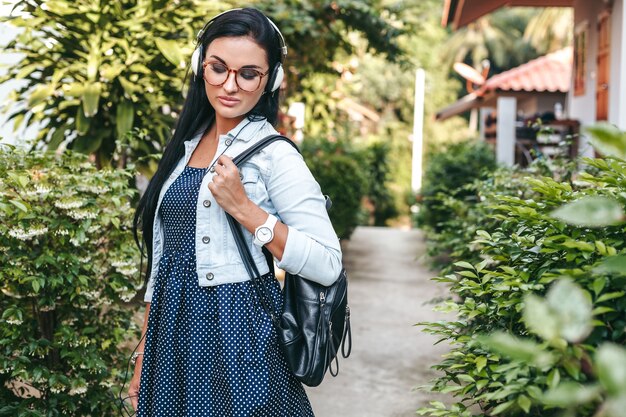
67,271
545,357
338,170
447,171
379,193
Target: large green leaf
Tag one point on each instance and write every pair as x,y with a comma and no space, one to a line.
171,51
612,265
591,211
608,139
91,98
125,115
539,319
82,122
516,348
40,94
87,144
566,312
572,308
611,368
569,394
57,137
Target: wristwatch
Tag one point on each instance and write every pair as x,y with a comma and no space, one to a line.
265,232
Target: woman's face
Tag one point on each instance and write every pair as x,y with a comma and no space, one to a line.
230,100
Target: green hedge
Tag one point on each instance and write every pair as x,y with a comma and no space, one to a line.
517,243
351,175
68,269
447,172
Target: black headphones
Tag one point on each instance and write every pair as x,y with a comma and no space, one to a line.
276,74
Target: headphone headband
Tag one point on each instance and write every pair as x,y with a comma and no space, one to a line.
283,44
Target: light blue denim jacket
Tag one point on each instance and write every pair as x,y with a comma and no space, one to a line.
277,180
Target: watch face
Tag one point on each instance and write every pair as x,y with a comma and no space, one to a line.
264,234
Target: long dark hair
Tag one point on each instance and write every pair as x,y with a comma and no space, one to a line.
197,110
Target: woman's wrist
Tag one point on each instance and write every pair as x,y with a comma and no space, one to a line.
136,357
246,211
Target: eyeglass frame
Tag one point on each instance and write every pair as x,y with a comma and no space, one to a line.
236,71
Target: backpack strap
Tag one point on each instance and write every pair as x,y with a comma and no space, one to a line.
247,154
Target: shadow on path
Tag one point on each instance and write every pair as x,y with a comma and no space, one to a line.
389,291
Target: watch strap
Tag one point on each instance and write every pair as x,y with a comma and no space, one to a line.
270,223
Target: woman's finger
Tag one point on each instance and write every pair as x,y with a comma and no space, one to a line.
226,161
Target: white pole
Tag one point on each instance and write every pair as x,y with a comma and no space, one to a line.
505,142
418,130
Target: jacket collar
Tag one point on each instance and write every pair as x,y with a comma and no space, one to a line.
244,131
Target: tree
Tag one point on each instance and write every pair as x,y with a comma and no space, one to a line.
551,29
95,70
497,37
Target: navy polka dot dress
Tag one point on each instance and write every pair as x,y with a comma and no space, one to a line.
209,351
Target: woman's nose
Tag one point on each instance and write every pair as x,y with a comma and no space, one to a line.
231,82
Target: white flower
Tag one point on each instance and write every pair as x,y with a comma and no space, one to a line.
56,390
92,295
39,190
120,263
69,204
15,322
21,234
84,259
62,232
82,214
47,308
127,296
95,189
78,390
127,271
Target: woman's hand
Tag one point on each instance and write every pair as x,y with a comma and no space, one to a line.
227,188
133,389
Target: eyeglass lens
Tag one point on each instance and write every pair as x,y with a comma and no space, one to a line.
247,79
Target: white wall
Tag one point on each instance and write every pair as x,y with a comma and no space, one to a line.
617,92
583,107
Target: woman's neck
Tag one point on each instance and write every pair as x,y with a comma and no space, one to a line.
224,125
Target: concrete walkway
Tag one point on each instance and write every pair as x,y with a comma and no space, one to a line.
388,293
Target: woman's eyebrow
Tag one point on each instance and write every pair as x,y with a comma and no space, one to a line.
224,62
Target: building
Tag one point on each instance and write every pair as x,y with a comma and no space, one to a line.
597,84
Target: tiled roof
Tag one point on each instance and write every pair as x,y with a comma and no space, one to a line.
550,72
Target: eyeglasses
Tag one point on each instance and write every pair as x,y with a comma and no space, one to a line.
247,79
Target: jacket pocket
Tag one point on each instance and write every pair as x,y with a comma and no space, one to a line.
250,179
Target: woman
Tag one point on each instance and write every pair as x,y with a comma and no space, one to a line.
210,348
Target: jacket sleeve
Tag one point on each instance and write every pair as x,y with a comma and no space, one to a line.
312,249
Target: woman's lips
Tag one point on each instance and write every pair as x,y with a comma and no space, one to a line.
228,101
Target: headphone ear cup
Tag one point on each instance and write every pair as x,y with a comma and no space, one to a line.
276,78
195,60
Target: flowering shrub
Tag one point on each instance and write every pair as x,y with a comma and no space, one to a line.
68,268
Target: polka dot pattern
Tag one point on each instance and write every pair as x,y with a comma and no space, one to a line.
210,351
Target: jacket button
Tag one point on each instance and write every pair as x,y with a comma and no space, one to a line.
206,239
229,142
206,203
212,169
210,276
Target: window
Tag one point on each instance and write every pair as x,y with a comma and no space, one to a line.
581,34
